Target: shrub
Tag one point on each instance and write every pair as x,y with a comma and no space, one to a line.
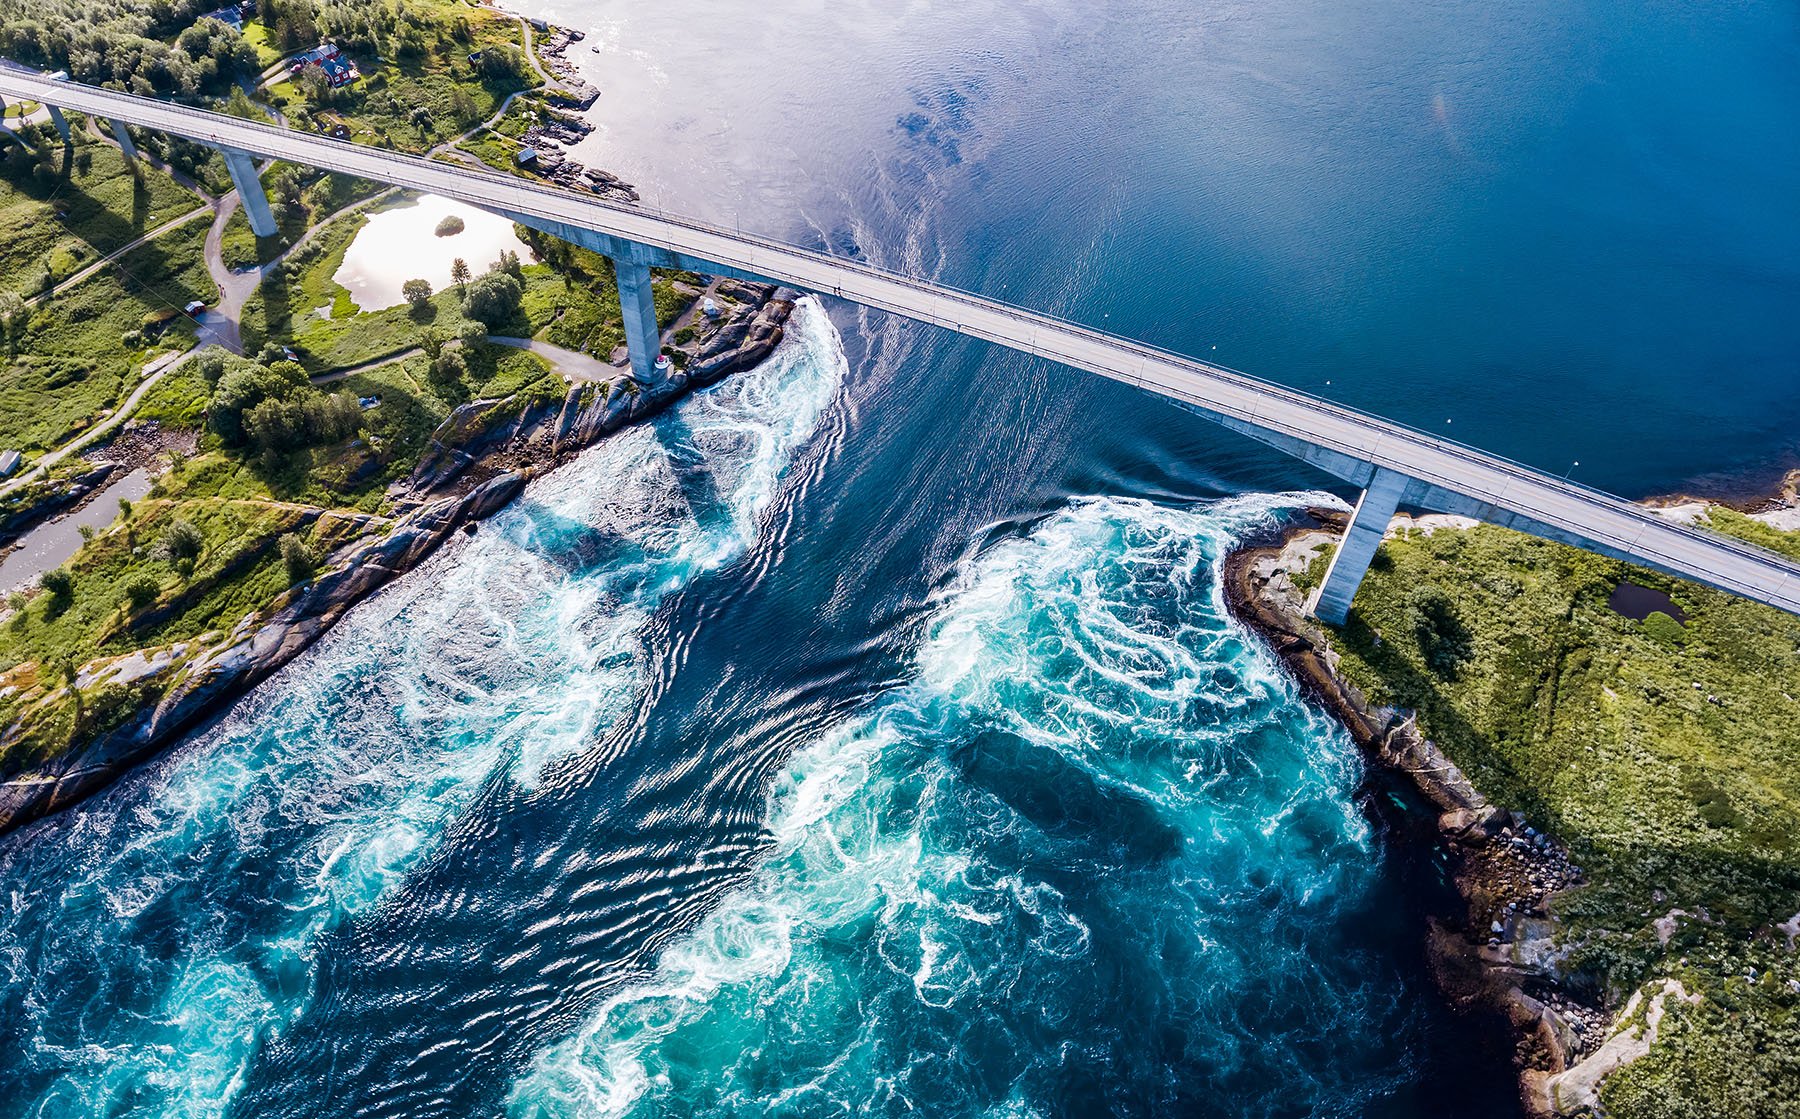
297,557
1665,630
180,544
450,226
141,590
493,299
60,583
1444,640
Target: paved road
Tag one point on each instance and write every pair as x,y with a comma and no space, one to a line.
1339,439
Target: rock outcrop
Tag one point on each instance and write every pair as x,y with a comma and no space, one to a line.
1502,957
538,432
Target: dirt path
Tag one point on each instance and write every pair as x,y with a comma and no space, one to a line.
154,371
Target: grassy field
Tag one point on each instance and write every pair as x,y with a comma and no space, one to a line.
414,101
321,195
62,208
1663,754
83,349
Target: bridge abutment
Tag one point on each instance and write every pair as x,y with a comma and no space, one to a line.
250,191
1368,524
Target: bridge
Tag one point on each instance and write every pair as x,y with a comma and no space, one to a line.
1393,464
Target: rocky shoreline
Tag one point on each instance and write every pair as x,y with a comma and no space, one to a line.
1498,957
481,457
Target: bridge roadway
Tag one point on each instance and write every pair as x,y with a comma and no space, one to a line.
1395,464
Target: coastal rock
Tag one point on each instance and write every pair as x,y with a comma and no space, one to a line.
1576,1090
1505,949
203,677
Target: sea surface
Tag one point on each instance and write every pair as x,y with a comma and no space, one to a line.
866,735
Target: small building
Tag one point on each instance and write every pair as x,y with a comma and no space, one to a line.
194,307
9,462
526,157
339,71
232,16
662,365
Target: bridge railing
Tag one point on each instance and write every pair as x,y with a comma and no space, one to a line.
521,191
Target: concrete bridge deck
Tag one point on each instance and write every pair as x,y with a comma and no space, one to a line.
1395,464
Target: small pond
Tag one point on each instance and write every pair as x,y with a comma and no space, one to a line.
1637,602
402,244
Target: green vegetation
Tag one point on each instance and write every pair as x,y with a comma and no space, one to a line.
62,207
153,47
299,198
431,70
1664,755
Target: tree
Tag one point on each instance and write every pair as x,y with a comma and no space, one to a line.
432,340
242,389
60,583
418,293
211,363
459,272
450,367
493,299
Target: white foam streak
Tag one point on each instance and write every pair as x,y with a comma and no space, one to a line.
501,653
1066,637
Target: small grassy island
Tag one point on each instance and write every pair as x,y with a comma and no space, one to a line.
1649,734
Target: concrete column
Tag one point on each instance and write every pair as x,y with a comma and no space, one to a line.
250,191
638,304
61,122
123,137
1367,525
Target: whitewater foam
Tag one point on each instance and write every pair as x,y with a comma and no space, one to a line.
217,871
1098,816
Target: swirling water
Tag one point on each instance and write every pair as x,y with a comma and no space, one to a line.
164,932
827,746
1088,860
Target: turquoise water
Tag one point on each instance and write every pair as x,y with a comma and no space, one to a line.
154,941
866,736
1095,855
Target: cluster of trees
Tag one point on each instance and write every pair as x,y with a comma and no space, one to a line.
495,297
151,47
269,406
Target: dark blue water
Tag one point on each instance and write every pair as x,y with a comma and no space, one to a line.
868,736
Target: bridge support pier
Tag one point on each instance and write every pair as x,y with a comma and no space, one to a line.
638,304
250,191
123,137
1367,526
61,122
